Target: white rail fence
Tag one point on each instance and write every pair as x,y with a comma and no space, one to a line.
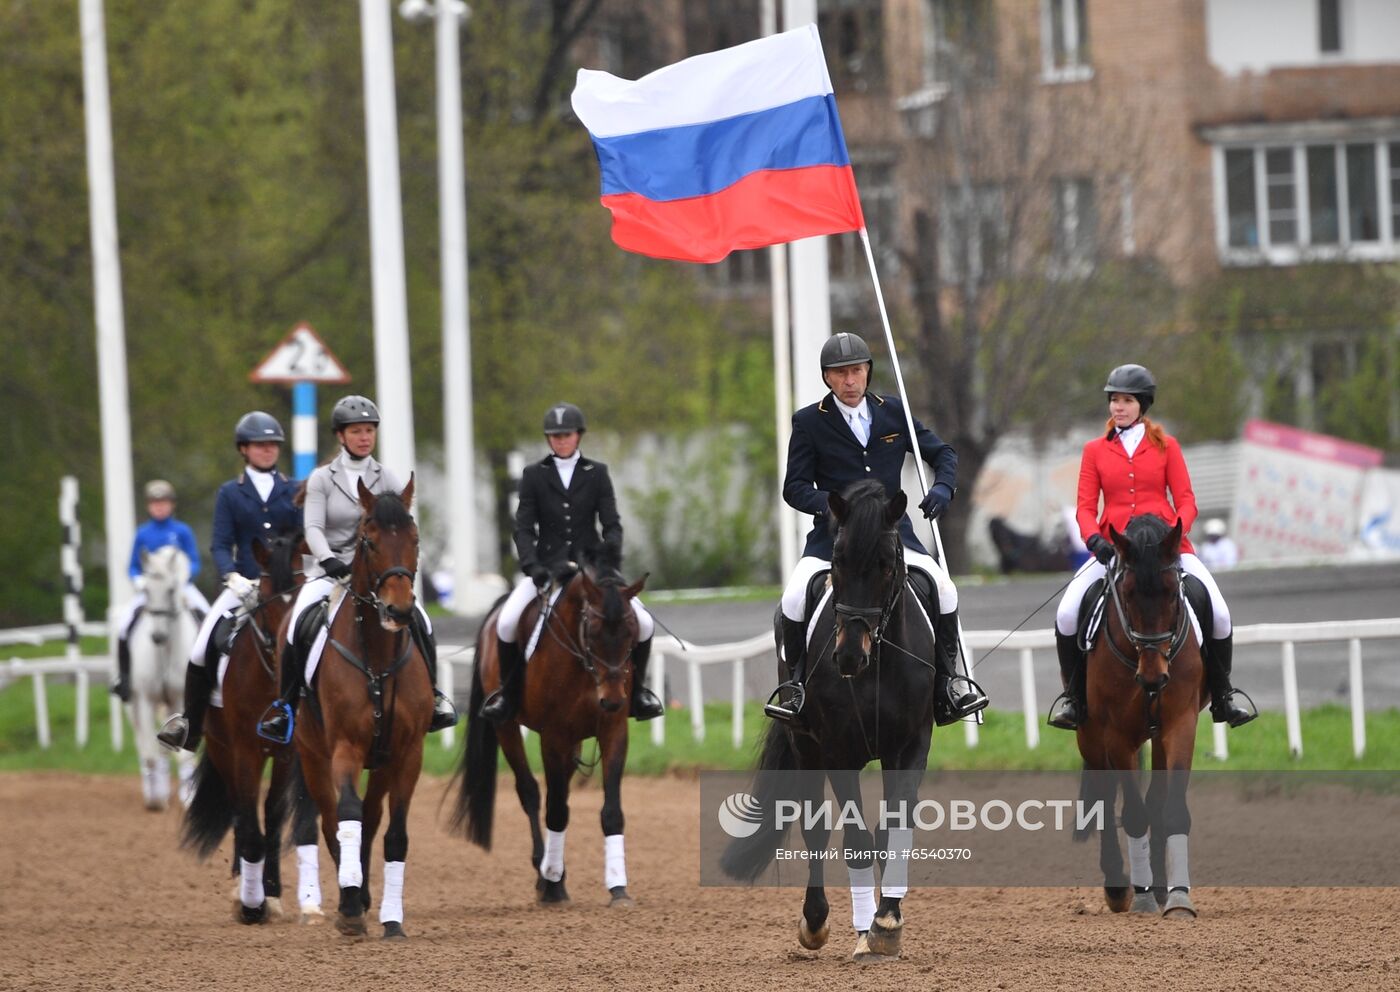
668,650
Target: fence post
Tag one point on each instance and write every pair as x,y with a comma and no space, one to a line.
446,684
1358,699
737,695
1222,742
970,734
697,702
72,601
1028,703
658,686
41,710
1290,700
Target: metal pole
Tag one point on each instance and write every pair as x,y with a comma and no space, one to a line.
1358,699
1290,701
72,598
303,429
1028,703
458,441
391,354
118,505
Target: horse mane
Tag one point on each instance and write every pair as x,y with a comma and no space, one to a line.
604,566
283,550
864,525
390,512
1145,534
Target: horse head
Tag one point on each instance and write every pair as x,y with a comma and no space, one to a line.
276,558
1147,594
867,569
607,633
386,555
165,572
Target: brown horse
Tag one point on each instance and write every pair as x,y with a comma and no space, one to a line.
230,775
1146,682
577,685
369,707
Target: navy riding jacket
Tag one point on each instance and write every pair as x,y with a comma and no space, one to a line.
240,517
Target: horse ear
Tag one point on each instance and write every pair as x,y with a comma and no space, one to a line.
1171,544
635,587
261,555
406,497
1120,541
837,506
366,497
894,509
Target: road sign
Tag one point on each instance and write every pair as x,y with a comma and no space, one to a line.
301,357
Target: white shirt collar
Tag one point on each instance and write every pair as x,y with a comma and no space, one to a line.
262,481
1132,436
861,409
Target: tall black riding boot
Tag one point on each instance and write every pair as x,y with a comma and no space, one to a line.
955,696
1224,708
795,661
186,730
279,721
121,688
644,704
444,713
501,705
1068,710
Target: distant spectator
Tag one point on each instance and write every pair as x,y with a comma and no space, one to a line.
1219,552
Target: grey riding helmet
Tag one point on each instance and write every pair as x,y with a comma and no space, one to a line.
159,489
258,426
353,410
564,418
844,349
1135,380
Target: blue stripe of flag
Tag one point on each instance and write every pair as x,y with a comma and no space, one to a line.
696,160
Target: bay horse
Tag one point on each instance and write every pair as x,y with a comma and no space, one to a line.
369,707
578,683
1145,682
160,641
230,775
870,697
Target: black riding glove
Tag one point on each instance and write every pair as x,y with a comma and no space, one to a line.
335,568
936,500
1101,547
539,575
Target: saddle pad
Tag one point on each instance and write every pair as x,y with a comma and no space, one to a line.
216,695
538,629
323,635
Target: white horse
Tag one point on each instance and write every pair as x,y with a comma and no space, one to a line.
160,642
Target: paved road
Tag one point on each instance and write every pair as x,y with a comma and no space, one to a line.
1343,592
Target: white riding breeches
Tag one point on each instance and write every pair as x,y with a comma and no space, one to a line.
226,602
320,588
525,592
1067,616
795,592
194,600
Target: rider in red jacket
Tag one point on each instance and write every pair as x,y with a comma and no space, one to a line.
1137,468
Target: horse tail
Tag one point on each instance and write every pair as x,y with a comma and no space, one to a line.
746,858
474,805
210,815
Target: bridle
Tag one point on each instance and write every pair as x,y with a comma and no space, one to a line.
1166,643
875,618
580,645
366,547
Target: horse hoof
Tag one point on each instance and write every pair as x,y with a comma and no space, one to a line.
253,915
394,931
883,937
1179,907
620,898
864,955
1118,898
552,893
311,914
274,908
813,940
350,926
156,805
1145,903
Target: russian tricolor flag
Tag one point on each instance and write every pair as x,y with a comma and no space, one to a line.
740,148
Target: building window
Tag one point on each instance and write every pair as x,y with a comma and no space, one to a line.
1076,227
853,35
1064,40
1293,201
960,42
879,201
1329,26
972,232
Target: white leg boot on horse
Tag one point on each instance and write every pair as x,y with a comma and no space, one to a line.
309,882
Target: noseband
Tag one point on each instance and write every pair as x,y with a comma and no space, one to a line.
875,618
377,579
1166,643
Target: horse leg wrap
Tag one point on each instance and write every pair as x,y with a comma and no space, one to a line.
391,901
1178,872
552,866
862,897
894,880
614,862
250,883
348,834
1140,861
308,875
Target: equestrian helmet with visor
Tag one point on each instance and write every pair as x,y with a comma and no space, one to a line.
353,410
258,426
1135,381
844,349
564,418
158,489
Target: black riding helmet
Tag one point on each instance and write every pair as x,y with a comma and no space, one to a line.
1135,380
564,418
258,426
844,349
353,410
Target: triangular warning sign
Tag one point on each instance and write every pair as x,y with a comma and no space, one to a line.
301,357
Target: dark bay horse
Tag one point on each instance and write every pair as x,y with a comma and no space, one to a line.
1146,682
230,775
369,707
578,682
870,697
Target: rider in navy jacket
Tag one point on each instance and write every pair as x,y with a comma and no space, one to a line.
241,516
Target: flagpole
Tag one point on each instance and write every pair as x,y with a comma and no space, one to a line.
963,653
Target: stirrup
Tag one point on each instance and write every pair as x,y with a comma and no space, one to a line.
443,716
644,705
1063,725
1230,700
946,709
788,713
174,733
280,708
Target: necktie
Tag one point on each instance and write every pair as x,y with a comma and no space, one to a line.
858,427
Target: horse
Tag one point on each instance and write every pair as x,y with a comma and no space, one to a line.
870,696
1145,682
160,641
230,774
369,708
578,684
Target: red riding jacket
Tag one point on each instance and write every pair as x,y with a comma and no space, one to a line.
1134,485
